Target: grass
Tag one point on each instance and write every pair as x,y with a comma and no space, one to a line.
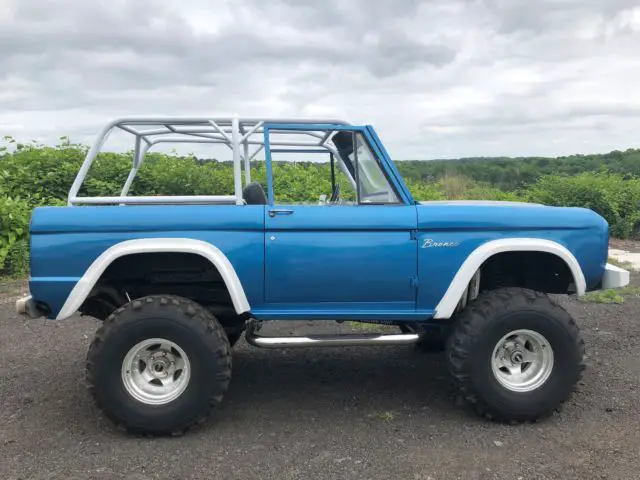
367,327
373,327
618,263
10,287
384,416
611,295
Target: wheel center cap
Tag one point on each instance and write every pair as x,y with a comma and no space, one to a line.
160,366
161,369
516,358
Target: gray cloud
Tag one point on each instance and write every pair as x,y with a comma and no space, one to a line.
541,16
437,78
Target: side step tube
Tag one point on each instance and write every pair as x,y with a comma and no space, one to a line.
346,340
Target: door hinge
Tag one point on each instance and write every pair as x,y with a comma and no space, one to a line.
413,234
413,281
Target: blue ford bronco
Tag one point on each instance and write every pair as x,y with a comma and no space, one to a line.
177,280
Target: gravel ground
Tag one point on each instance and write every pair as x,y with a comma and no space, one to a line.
365,413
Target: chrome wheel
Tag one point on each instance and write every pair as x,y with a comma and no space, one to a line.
156,371
522,360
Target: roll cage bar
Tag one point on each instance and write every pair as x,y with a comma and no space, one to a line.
244,136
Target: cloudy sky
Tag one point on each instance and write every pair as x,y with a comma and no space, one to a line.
438,79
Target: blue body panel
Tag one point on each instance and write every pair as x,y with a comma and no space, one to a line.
581,231
69,239
317,262
340,258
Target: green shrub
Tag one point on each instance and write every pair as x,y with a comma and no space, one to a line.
454,187
106,176
14,226
17,263
425,191
40,174
479,192
611,195
457,187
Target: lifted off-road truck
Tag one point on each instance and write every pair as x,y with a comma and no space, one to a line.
177,279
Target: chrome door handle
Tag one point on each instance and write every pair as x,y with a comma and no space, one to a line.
279,211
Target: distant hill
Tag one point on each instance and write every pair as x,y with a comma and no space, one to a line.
511,173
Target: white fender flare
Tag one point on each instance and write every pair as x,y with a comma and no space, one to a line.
449,301
83,288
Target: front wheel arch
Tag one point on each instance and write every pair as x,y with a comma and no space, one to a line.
457,289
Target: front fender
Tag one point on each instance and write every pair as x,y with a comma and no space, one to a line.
470,266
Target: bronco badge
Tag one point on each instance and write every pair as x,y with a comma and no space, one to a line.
430,243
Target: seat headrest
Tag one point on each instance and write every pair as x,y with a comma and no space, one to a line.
254,194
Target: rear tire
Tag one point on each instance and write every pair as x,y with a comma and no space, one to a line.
159,365
233,326
515,355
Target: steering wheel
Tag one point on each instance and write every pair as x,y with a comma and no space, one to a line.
335,194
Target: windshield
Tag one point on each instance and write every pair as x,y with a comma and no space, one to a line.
372,183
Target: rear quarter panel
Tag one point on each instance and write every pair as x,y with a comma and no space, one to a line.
66,240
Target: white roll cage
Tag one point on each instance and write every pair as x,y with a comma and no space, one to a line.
239,134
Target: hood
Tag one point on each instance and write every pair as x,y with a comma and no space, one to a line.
504,216
478,202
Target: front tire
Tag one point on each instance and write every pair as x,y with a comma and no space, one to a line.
159,365
233,338
515,355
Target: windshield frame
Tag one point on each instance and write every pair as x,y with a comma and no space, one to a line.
352,166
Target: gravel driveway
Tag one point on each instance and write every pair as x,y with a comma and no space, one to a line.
364,412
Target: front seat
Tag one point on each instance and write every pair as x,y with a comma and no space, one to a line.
254,194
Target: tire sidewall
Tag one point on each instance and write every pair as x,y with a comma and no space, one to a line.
566,359
170,324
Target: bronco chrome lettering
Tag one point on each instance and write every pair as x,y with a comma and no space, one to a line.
430,243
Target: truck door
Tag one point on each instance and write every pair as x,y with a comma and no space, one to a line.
352,256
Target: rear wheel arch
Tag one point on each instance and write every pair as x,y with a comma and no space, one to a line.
89,282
